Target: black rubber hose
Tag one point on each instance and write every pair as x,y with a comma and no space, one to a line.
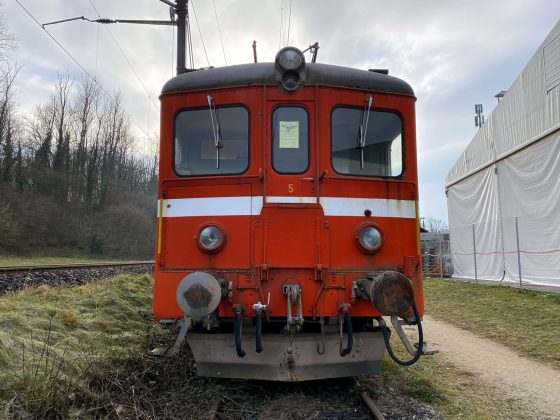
237,329
349,333
420,341
259,331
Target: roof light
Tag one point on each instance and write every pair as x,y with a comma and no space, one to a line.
290,59
290,62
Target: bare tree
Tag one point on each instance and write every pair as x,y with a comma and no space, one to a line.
7,40
72,174
435,225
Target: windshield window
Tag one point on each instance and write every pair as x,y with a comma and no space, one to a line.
196,149
290,140
381,152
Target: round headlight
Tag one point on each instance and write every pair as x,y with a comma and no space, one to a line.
290,59
369,238
211,239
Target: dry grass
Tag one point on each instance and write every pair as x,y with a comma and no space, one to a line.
524,320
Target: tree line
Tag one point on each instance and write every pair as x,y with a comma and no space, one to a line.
71,174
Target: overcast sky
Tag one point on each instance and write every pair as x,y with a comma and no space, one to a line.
453,53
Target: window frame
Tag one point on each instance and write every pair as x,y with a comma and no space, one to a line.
198,108
403,140
272,130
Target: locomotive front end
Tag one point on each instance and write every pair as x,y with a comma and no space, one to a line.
288,221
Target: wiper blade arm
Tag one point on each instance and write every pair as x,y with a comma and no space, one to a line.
362,133
215,128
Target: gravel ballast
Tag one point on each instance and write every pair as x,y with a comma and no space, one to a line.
13,281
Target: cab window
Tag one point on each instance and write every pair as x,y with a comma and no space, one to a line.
378,153
198,149
290,140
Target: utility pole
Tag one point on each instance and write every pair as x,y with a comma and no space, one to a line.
182,11
180,8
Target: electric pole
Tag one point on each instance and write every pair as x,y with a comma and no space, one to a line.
180,8
182,11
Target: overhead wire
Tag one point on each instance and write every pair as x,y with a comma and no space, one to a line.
173,51
189,41
200,33
219,31
281,24
289,24
96,50
127,59
80,65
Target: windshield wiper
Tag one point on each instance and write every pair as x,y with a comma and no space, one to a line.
362,132
215,128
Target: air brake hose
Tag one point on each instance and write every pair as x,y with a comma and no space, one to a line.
237,321
349,333
259,348
420,341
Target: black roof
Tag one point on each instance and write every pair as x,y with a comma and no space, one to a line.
267,74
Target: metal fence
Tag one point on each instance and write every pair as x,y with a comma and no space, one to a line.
436,254
523,250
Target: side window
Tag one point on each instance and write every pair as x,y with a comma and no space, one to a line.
381,152
290,140
196,151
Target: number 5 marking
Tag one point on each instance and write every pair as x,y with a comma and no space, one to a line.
290,188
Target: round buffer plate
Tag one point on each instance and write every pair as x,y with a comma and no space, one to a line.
198,294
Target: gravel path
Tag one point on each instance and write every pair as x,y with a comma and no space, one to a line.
537,384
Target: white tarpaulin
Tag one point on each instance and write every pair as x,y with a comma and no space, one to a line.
504,190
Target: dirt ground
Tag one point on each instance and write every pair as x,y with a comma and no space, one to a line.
537,384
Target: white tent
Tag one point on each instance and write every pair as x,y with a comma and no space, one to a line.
503,193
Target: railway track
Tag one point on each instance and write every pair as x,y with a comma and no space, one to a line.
345,399
15,278
51,267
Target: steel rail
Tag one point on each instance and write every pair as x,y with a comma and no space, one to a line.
372,408
48,267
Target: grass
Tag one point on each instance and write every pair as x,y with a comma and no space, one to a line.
82,352
10,260
524,320
49,339
451,391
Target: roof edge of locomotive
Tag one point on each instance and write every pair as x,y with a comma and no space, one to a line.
266,74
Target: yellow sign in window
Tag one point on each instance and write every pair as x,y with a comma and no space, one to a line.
289,135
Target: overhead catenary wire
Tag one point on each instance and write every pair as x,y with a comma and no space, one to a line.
200,33
96,51
281,24
289,24
79,65
151,100
173,52
219,31
189,42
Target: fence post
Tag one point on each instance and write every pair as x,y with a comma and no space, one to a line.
518,253
474,248
440,261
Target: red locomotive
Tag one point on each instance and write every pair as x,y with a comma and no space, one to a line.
288,218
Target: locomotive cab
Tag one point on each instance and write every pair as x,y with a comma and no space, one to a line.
287,217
